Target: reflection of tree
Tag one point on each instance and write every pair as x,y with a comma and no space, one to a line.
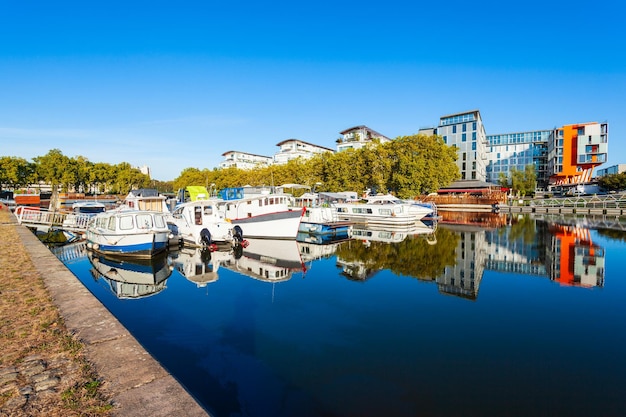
613,234
412,257
526,229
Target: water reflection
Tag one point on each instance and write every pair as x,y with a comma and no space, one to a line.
268,260
367,332
131,278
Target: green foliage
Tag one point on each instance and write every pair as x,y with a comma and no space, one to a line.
523,182
413,257
407,166
71,174
613,182
15,172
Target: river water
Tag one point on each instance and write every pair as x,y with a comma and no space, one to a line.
504,316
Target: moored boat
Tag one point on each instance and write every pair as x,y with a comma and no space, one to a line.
128,233
381,209
201,223
264,215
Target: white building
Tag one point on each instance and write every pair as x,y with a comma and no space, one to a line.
466,132
296,148
357,137
244,160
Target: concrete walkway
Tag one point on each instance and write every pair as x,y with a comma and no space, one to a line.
137,383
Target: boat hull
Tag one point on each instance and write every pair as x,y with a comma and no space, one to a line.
131,245
279,225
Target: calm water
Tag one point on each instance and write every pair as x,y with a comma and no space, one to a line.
512,316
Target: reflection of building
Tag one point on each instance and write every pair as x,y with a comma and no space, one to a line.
573,259
463,278
514,255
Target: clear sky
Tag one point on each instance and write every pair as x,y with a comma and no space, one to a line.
174,85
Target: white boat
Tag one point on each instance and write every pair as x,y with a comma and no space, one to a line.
128,232
264,215
200,265
202,222
146,199
319,218
381,209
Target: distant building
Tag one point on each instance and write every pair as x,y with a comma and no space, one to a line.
244,160
613,169
357,137
145,170
466,132
575,150
296,148
510,151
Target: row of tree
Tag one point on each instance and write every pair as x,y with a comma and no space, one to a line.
522,183
407,166
70,174
613,182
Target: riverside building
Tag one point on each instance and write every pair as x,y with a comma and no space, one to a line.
466,132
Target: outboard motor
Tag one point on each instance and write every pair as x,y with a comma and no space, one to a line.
205,237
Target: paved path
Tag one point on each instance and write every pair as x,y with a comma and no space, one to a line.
138,384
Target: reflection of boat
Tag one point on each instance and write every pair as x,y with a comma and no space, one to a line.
382,209
269,260
131,278
128,232
368,233
317,247
199,265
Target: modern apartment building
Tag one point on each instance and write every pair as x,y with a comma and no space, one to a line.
466,132
613,169
296,148
510,151
358,137
575,150
244,160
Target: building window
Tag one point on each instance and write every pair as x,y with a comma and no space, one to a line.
473,135
464,137
454,129
464,156
464,127
473,146
445,139
474,126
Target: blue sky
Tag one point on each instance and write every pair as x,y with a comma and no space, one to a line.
175,85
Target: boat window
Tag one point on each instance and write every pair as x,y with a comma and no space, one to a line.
126,222
385,212
159,221
111,224
208,211
144,221
197,214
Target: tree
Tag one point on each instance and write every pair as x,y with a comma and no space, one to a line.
15,172
523,182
